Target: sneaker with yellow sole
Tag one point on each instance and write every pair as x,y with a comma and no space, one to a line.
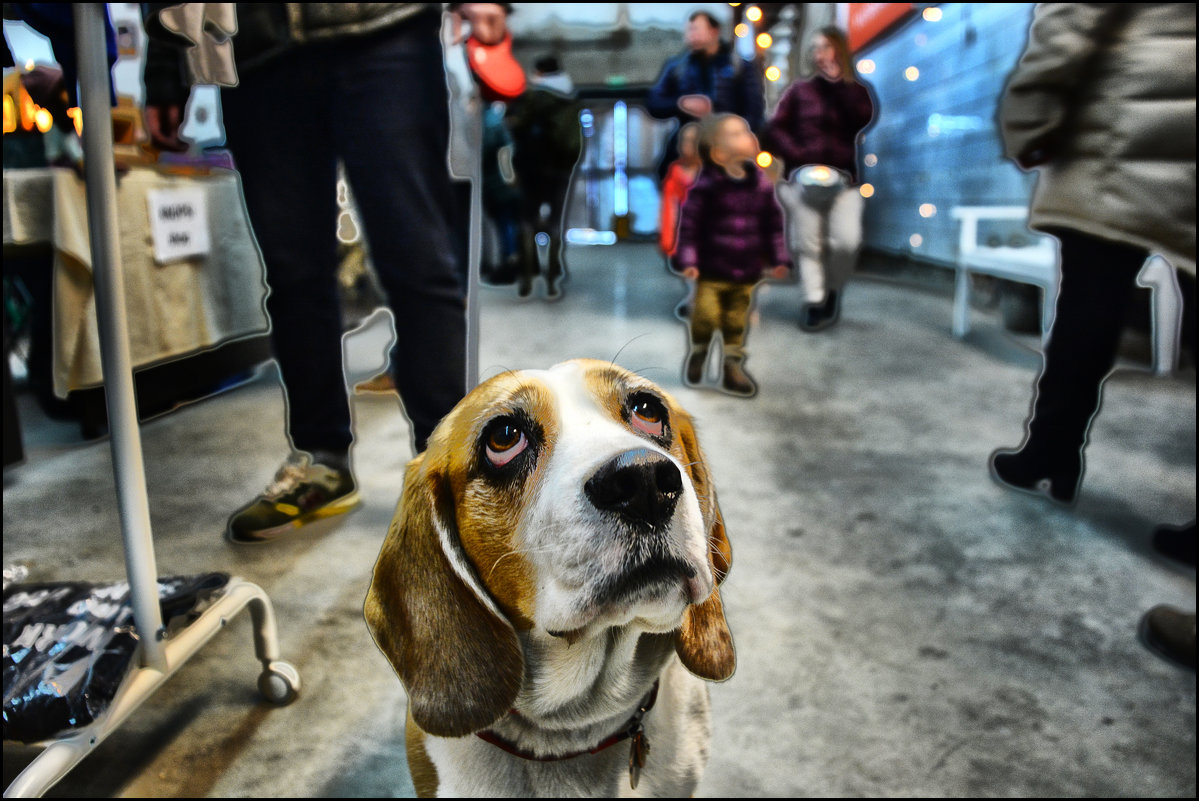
303,492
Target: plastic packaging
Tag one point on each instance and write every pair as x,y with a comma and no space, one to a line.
69,645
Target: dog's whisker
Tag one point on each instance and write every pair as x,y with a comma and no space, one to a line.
625,345
517,552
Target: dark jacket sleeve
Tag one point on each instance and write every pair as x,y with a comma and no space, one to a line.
164,76
859,108
779,135
753,96
774,240
663,99
691,223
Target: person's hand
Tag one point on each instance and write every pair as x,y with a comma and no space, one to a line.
696,105
163,124
488,22
779,271
691,272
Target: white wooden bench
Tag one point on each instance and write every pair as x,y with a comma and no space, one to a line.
1037,264
1034,264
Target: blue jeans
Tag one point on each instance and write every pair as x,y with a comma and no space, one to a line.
379,104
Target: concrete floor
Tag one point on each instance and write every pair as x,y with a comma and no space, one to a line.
904,626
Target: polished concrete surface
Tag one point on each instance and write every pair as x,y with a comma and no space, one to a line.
904,626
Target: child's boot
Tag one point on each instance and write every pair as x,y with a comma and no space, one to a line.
736,380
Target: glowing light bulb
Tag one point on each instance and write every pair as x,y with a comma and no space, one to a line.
927,210
866,190
911,73
753,13
765,40
10,114
773,73
43,120
764,159
866,66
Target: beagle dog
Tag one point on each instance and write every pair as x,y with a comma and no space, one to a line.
548,591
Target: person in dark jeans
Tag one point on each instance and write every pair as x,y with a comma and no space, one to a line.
546,136
364,84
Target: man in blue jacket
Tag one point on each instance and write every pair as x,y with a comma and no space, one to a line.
709,77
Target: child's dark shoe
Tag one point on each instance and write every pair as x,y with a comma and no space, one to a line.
736,380
694,371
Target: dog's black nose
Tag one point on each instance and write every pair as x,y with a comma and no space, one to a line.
639,485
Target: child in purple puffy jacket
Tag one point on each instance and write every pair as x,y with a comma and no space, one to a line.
730,234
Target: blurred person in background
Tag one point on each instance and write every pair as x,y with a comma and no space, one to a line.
680,175
547,138
363,83
709,77
501,198
1102,104
814,131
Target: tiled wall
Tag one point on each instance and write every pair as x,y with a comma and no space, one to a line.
935,138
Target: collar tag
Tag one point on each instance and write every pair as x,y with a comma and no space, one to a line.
638,752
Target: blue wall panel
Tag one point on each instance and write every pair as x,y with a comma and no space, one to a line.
935,138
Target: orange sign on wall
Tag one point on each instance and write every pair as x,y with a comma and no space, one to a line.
868,20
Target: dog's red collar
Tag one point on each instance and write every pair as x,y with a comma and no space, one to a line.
633,730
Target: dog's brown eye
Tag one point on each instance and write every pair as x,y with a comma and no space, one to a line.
504,442
647,414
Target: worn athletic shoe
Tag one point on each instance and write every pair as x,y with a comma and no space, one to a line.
302,492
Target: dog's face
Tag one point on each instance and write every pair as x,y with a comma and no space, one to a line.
568,500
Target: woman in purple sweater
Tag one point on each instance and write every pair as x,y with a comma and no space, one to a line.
730,233
815,131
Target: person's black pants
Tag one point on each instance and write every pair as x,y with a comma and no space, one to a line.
1098,282
540,188
379,104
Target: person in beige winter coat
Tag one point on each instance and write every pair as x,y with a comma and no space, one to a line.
1102,103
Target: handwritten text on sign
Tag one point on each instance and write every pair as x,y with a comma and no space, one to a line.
178,223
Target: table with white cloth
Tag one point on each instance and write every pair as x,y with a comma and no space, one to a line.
174,309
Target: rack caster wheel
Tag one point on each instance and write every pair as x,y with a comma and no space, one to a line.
279,683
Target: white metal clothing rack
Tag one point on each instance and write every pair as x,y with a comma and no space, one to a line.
158,657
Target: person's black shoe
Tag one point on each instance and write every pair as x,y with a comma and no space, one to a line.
832,308
1031,470
1170,633
694,370
1176,542
302,492
817,316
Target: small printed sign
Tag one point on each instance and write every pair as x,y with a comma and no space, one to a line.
178,223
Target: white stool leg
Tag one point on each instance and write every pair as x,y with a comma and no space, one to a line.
961,302
1166,321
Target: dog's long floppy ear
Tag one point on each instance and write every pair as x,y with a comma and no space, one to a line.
704,642
453,649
